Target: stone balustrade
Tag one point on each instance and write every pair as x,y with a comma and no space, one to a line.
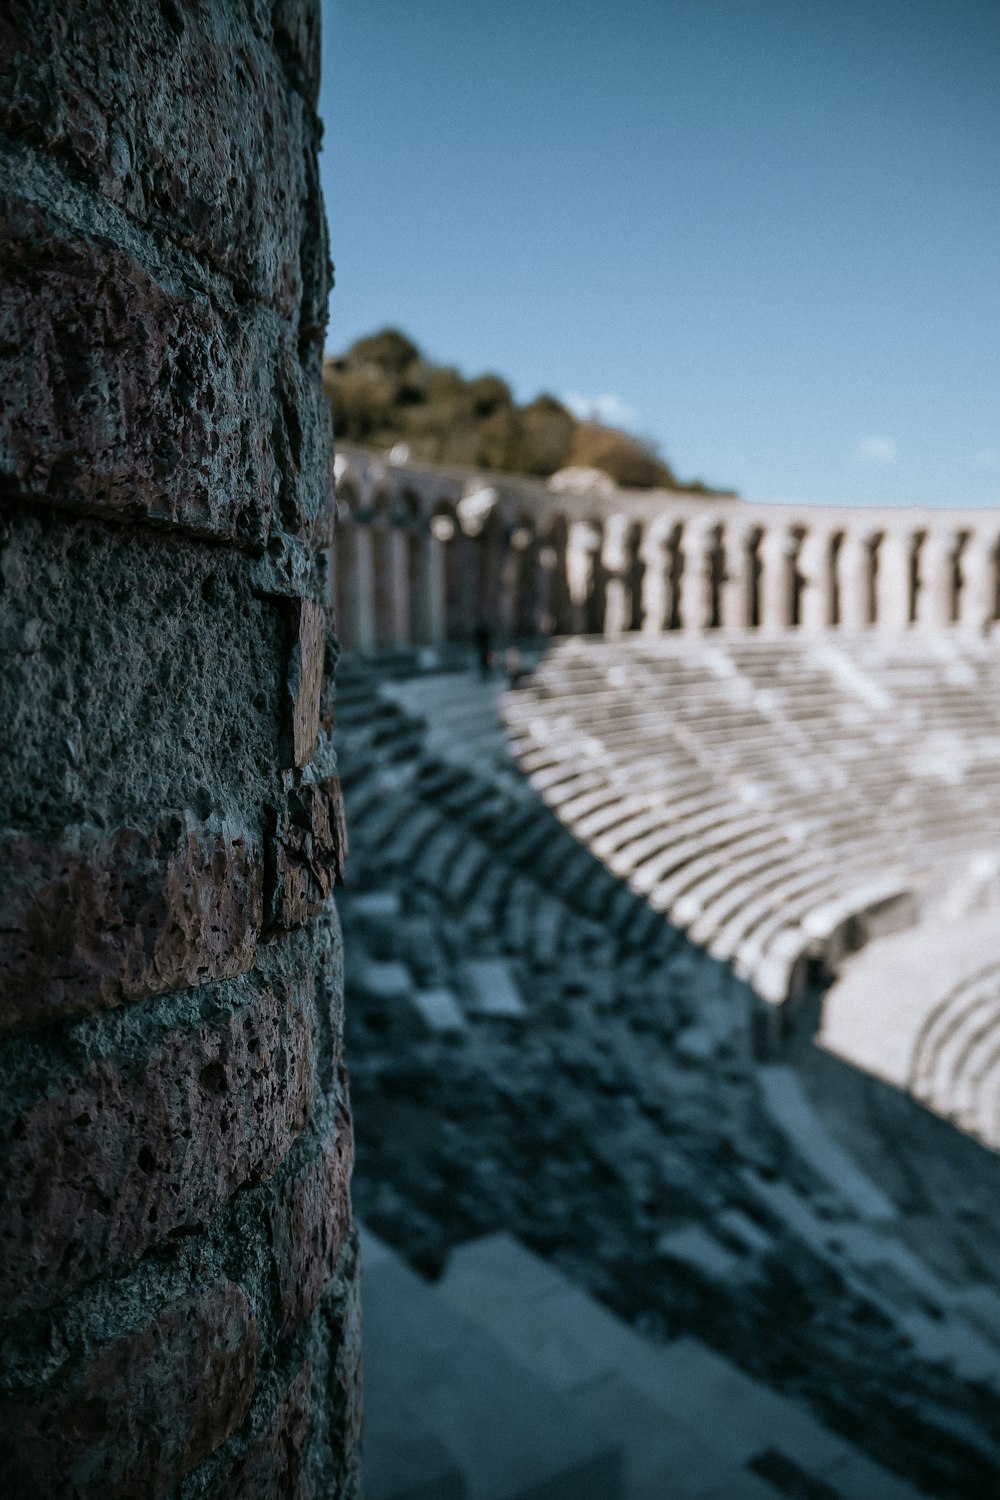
424,554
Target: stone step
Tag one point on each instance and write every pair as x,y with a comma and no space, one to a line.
443,1398
571,1341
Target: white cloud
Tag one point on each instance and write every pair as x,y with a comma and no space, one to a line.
877,450
609,409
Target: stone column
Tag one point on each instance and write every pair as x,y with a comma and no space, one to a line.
853,573
654,580
555,560
177,1258
936,565
977,600
508,578
815,607
892,584
774,602
582,554
397,595
694,602
361,597
431,585
735,604
616,595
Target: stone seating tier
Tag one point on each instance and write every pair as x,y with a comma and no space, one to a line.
748,789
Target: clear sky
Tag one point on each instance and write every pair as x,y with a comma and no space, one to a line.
766,234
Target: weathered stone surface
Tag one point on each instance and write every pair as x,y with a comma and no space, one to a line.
182,115
142,1411
342,1311
141,679
112,920
108,1162
301,434
273,1468
309,1224
305,678
297,34
310,848
170,1054
127,390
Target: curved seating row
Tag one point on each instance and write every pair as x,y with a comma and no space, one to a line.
778,799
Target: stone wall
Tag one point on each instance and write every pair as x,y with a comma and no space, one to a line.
178,1308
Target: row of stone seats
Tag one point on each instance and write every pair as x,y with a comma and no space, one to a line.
461,829
956,1065
479,935
935,1030
765,795
505,1381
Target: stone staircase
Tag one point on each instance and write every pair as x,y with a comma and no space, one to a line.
505,1381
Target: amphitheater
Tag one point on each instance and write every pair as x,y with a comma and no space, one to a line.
673,977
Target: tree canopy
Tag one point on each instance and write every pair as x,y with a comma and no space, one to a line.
384,391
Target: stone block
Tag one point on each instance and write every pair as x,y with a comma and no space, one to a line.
180,115
274,1466
297,35
383,981
140,1412
379,908
511,1436
404,1463
128,390
439,1010
116,919
309,1223
141,681
694,1247
492,990
310,848
305,678
108,1162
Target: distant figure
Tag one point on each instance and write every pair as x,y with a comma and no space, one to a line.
484,648
512,666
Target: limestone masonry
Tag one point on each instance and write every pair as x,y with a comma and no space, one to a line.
178,1308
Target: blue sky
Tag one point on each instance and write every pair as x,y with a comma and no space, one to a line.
765,234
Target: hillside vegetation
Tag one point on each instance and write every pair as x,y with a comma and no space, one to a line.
384,391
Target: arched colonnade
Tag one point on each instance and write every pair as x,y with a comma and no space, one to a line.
424,555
